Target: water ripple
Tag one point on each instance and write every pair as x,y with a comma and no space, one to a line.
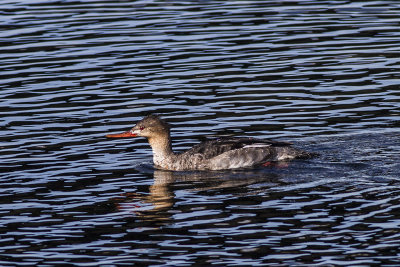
323,74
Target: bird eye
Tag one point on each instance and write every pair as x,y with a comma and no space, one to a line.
141,128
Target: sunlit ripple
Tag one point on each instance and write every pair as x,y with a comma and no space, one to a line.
323,74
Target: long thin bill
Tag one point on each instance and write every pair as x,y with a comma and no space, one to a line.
121,135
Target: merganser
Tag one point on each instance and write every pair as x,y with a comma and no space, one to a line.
217,154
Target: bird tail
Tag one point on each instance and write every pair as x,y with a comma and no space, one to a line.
306,155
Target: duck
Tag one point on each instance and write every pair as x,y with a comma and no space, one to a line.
216,154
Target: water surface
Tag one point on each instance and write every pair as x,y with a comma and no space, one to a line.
322,74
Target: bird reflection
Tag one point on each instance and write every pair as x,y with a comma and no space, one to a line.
161,197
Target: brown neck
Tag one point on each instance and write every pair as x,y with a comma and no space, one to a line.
161,144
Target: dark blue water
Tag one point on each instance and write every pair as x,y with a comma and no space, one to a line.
322,74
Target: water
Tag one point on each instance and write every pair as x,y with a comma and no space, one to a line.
322,74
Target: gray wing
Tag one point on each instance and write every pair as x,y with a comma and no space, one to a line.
213,148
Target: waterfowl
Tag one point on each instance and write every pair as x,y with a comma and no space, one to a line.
217,154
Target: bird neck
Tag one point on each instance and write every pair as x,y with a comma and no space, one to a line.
161,145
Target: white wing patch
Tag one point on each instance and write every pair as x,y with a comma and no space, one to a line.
257,145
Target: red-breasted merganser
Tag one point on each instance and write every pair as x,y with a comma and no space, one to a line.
218,154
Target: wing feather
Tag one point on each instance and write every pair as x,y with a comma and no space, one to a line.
212,148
